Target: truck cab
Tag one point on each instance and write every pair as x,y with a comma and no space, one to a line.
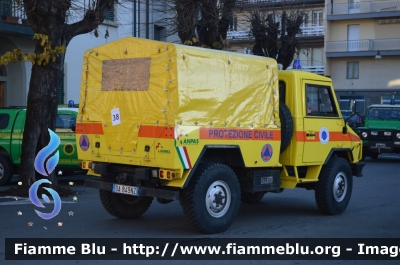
320,132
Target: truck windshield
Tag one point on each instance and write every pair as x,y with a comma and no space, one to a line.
384,114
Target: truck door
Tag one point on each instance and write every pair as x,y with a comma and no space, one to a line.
16,136
322,124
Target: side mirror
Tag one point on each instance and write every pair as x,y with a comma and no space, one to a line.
73,127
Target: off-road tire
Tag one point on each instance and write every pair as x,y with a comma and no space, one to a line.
212,184
334,187
6,170
286,125
124,206
248,197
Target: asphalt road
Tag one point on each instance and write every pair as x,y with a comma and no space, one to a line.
373,212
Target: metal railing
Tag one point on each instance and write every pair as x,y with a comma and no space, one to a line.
316,69
363,45
305,32
363,7
10,11
250,2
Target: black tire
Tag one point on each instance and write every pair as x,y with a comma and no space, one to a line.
374,155
286,125
6,170
333,190
124,206
248,197
212,182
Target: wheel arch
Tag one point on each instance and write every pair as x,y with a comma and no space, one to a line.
3,152
345,153
342,152
229,155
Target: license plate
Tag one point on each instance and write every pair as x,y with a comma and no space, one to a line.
380,145
122,189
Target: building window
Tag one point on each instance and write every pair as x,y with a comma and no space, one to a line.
344,102
233,24
395,99
3,70
352,70
61,92
304,16
247,50
110,14
160,33
317,18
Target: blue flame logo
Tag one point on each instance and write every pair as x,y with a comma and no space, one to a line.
51,164
35,200
45,152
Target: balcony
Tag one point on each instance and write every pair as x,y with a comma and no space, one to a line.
272,3
13,19
362,47
376,9
246,35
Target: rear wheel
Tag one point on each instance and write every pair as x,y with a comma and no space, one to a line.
124,206
334,187
212,200
6,170
248,197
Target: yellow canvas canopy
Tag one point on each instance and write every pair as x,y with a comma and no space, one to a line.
156,83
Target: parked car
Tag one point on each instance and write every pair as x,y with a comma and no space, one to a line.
12,122
355,120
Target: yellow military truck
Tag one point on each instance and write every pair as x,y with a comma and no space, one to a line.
210,129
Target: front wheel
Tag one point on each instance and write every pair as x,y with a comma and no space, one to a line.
333,190
212,200
6,170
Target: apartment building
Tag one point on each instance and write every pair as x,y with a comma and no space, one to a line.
362,42
127,18
311,38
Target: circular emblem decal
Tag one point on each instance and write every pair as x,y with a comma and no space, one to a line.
84,142
324,135
69,149
266,152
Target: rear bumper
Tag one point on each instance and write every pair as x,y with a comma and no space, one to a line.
143,191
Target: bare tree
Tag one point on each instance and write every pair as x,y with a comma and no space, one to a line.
275,32
197,22
48,18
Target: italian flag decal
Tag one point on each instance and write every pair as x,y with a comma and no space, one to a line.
184,157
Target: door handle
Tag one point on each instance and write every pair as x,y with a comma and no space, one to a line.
310,134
